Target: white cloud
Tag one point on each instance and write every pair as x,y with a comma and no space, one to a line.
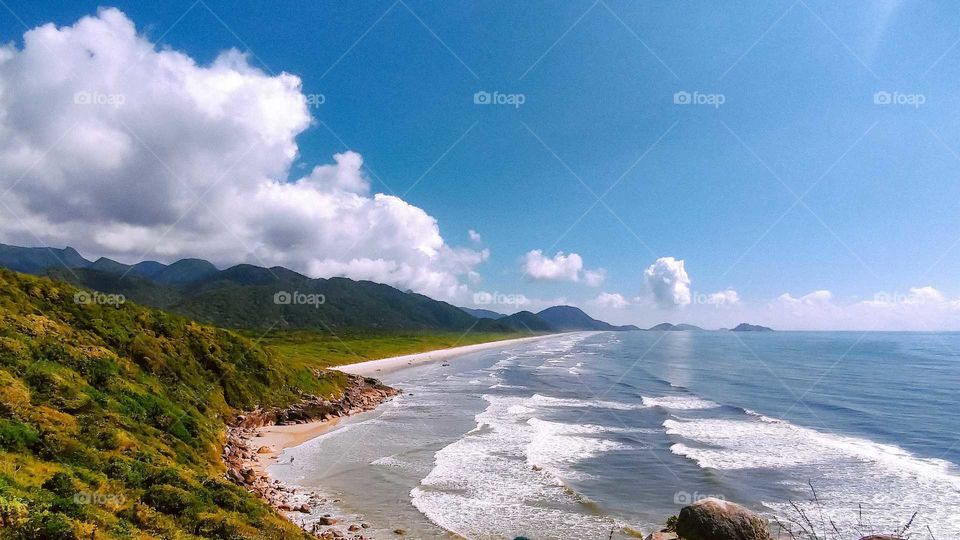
727,297
607,300
594,278
475,237
668,282
124,149
560,267
815,298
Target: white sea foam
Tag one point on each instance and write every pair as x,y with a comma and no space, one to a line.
680,403
888,481
507,473
547,401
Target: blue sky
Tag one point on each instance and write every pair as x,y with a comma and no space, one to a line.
799,181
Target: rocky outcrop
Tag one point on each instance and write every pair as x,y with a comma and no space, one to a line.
715,519
240,451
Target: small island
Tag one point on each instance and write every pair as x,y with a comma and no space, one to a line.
744,327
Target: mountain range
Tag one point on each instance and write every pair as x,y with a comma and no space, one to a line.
256,298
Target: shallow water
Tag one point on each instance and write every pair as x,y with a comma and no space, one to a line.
592,432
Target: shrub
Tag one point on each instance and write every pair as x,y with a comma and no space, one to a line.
12,512
46,526
16,435
167,499
60,484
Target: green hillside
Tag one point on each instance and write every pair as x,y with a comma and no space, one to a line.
245,297
112,417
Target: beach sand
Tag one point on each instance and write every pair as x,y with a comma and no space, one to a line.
272,440
386,365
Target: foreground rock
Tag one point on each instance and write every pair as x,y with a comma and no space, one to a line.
715,519
240,452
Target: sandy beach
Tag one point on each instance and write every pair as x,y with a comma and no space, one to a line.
386,365
271,440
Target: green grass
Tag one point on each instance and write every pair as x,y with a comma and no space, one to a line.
112,418
304,350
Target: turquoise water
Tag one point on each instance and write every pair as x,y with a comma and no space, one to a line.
594,432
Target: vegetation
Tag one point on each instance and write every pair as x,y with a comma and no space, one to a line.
112,418
246,297
313,349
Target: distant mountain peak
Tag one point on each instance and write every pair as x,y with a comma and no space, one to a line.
669,327
570,318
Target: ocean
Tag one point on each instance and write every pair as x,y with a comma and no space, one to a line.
592,435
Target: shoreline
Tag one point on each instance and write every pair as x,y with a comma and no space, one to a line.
396,363
256,439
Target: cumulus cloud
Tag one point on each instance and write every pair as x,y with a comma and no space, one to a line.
120,148
607,300
594,278
668,282
727,297
560,267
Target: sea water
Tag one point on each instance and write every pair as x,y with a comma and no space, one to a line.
592,435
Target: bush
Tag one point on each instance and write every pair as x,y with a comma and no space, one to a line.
61,485
213,526
12,512
16,435
167,499
46,526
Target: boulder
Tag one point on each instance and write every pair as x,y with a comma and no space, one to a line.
264,450
716,519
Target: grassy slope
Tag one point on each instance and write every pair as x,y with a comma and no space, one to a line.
111,419
302,349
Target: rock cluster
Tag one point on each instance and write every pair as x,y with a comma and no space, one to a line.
716,519
240,451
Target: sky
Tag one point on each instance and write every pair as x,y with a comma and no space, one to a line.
790,163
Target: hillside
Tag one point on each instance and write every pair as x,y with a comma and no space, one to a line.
251,297
569,318
112,417
483,313
255,298
525,320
